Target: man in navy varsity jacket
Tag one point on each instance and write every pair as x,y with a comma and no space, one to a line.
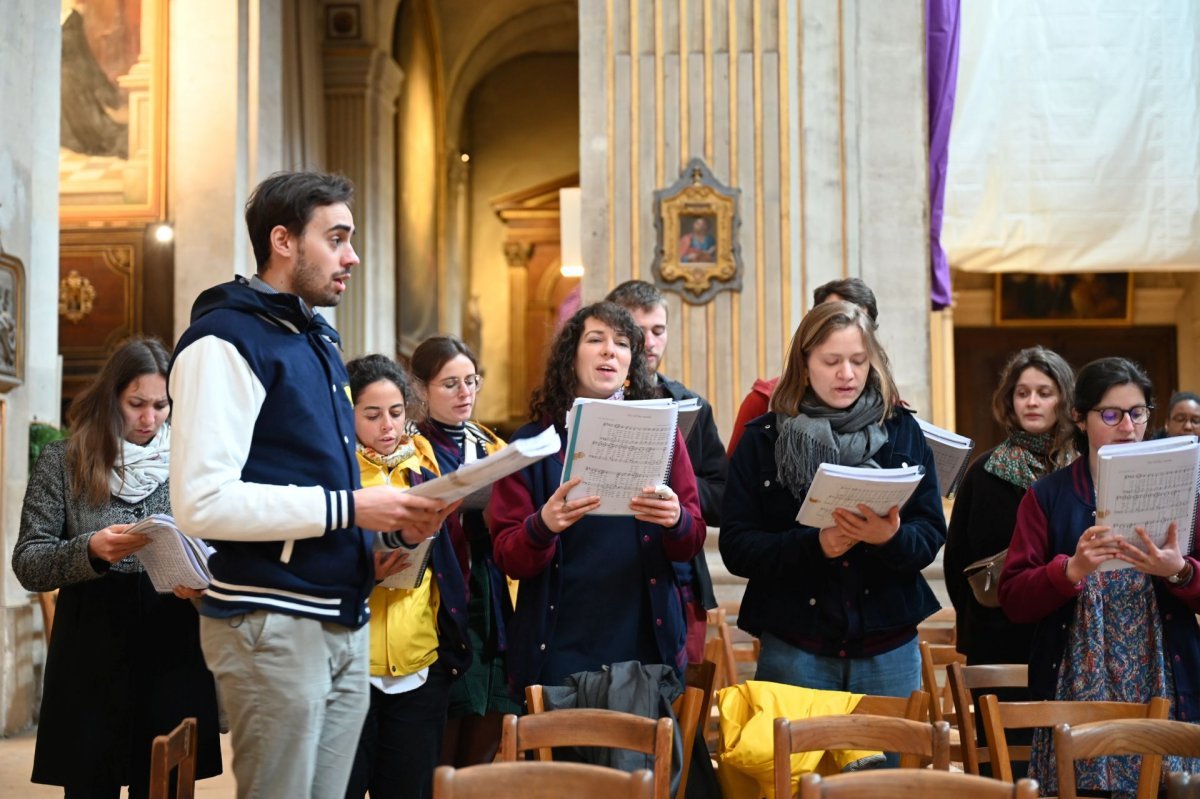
263,465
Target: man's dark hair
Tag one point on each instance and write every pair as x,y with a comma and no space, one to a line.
288,199
850,289
637,295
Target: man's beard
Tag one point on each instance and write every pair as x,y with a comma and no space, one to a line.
311,286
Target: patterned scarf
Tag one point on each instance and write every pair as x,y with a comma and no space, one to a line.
820,434
140,470
403,451
1022,458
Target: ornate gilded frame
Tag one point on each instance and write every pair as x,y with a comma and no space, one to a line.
132,189
12,322
680,253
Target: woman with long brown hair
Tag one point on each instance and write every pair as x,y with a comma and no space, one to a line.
124,662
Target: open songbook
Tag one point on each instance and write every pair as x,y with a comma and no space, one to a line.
477,478
172,558
414,570
618,448
951,452
1148,484
848,487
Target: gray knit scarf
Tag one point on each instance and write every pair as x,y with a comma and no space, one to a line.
820,434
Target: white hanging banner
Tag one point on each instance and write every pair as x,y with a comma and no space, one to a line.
1076,137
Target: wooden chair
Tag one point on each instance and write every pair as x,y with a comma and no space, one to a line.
1151,738
48,600
915,740
731,648
537,732
697,677
913,708
940,628
534,780
933,658
175,751
687,708
912,784
999,716
962,680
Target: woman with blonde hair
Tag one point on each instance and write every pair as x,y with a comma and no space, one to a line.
835,608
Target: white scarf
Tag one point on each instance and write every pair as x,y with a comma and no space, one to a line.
140,470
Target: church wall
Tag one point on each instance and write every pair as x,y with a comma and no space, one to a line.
815,111
30,44
523,130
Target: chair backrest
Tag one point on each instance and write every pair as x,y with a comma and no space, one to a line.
691,710
732,646
914,708
174,751
940,628
999,716
534,780
591,727
962,680
917,740
935,657
912,784
1151,738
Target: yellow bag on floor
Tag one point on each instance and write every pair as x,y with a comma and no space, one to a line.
747,743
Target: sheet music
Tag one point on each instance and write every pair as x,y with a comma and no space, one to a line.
950,455
848,487
473,477
1148,484
414,571
618,448
171,558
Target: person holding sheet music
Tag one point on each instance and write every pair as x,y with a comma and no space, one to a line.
595,589
835,608
451,380
1127,634
124,662
1033,403
419,642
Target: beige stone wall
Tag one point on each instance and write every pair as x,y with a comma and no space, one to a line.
815,111
522,130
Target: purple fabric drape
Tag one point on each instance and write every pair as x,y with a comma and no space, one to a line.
941,50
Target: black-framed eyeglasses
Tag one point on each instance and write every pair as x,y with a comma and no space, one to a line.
472,382
1138,414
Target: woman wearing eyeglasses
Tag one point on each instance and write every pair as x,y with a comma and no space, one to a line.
1183,415
1128,634
449,373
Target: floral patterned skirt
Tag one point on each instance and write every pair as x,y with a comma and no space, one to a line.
1114,653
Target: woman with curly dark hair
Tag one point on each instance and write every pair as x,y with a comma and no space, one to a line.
577,568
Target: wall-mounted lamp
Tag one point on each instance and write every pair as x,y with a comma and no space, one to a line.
464,157
570,223
164,233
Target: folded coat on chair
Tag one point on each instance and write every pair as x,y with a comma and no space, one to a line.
746,748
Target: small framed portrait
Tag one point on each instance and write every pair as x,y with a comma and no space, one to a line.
696,221
12,322
1064,300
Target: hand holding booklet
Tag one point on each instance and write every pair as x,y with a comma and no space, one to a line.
172,558
1148,484
847,487
479,476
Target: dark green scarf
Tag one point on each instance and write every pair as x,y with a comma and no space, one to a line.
1022,458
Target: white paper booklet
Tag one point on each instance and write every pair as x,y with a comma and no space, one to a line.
414,570
618,448
172,558
689,412
1148,484
848,487
485,471
951,453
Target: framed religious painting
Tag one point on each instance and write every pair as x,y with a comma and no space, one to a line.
1064,300
12,322
112,148
697,223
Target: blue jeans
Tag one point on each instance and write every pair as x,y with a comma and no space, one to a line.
894,673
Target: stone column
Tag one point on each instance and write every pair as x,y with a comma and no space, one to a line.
517,254
361,89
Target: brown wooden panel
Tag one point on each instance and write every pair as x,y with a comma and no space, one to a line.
980,355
